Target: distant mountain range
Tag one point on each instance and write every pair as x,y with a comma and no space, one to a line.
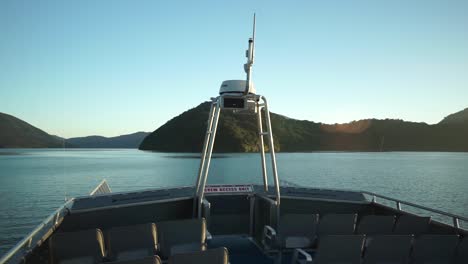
238,133
15,133
124,141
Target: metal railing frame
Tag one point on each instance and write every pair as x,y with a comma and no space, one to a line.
30,241
50,223
398,206
212,126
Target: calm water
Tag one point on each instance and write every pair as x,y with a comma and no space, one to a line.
33,183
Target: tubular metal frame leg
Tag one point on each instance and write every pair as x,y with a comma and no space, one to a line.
262,146
205,167
205,147
272,151
210,136
203,155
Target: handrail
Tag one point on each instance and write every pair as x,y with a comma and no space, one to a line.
272,151
399,202
28,240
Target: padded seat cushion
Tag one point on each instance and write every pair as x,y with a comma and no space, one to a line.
388,249
132,242
340,249
435,248
376,225
210,256
411,225
147,260
85,246
298,230
297,242
461,257
337,224
181,232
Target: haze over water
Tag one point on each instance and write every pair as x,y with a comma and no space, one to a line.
33,183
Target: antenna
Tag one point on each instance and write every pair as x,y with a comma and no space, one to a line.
250,59
253,40
241,88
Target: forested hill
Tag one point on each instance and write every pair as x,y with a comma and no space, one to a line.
456,118
123,141
15,133
238,133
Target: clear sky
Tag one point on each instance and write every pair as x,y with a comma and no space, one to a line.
110,67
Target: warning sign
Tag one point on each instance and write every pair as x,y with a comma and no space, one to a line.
228,188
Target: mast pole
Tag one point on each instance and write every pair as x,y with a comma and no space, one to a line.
250,59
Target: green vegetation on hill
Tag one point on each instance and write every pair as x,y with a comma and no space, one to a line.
15,133
456,118
238,133
123,141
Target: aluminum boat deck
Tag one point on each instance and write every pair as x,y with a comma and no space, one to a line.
236,218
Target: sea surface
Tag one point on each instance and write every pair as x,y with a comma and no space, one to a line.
33,183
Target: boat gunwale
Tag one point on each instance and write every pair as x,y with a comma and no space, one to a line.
304,197
414,205
97,195
64,207
40,227
86,210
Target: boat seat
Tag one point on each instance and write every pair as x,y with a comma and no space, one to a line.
434,248
410,224
82,247
371,225
181,236
389,249
147,260
336,224
131,242
209,256
339,249
297,230
461,256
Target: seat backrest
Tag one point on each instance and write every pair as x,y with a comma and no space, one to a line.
210,256
337,224
181,236
410,224
299,225
461,255
388,249
85,246
340,249
435,248
376,225
147,260
131,242
298,230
